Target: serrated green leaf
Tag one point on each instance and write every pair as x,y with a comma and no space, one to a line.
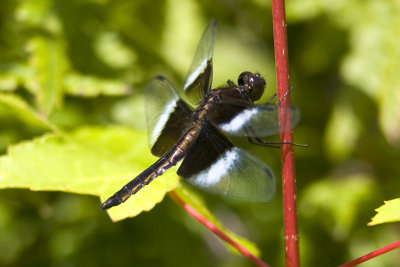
389,212
92,160
91,86
195,201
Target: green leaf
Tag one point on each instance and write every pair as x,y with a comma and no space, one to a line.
190,197
389,212
376,28
40,14
343,130
336,201
50,64
91,86
113,51
12,75
17,107
92,160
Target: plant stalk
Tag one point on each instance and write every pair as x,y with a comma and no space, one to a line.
288,166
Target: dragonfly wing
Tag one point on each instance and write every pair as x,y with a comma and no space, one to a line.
199,77
215,165
167,115
259,121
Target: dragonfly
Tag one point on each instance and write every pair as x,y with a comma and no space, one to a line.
197,136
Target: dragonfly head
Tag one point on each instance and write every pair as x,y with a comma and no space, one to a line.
254,82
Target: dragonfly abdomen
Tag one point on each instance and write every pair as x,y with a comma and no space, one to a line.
171,158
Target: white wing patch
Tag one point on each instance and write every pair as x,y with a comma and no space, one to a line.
238,174
192,77
218,170
236,124
162,120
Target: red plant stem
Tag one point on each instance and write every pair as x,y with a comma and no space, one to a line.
372,254
215,229
288,168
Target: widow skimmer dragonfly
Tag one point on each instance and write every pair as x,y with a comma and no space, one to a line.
209,160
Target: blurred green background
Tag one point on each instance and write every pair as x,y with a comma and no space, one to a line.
84,62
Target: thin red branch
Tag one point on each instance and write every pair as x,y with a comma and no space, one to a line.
288,167
372,254
215,229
